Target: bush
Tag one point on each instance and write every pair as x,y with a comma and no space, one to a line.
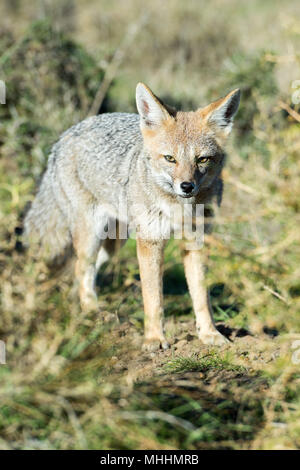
51,82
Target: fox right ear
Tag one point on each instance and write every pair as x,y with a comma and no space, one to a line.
221,112
151,110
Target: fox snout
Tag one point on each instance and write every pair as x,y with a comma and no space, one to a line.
187,186
186,180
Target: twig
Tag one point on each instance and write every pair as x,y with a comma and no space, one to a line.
273,292
74,421
239,184
281,59
112,68
161,415
289,110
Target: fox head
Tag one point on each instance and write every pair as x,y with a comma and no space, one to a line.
185,149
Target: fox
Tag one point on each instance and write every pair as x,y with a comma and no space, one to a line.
159,157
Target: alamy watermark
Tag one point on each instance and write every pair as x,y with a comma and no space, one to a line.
296,353
2,352
296,93
180,221
2,92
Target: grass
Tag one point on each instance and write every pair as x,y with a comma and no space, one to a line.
204,363
75,380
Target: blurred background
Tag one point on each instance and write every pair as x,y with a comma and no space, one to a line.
79,381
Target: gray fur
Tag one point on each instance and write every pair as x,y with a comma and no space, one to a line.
90,163
97,163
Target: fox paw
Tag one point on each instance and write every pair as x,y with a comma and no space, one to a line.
213,338
89,303
155,344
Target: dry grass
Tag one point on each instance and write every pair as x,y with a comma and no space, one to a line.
79,381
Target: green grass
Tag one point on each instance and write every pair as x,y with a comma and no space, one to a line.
75,380
210,361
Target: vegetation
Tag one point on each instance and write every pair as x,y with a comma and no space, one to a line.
75,380
209,361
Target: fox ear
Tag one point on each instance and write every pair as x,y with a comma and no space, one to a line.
222,112
150,108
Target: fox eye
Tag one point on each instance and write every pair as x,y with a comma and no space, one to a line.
202,159
170,159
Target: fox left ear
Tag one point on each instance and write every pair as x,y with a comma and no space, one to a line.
150,108
222,112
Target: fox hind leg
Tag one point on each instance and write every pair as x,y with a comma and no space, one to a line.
86,244
92,252
107,249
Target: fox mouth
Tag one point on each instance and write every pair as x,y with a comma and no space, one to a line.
182,194
187,196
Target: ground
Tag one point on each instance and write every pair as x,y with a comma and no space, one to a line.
74,380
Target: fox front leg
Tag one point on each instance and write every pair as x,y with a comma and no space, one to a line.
150,257
194,272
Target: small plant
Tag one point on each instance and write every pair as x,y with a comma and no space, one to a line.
196,363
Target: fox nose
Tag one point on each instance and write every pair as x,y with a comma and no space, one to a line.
187,187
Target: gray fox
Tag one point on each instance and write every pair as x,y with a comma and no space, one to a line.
158,158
